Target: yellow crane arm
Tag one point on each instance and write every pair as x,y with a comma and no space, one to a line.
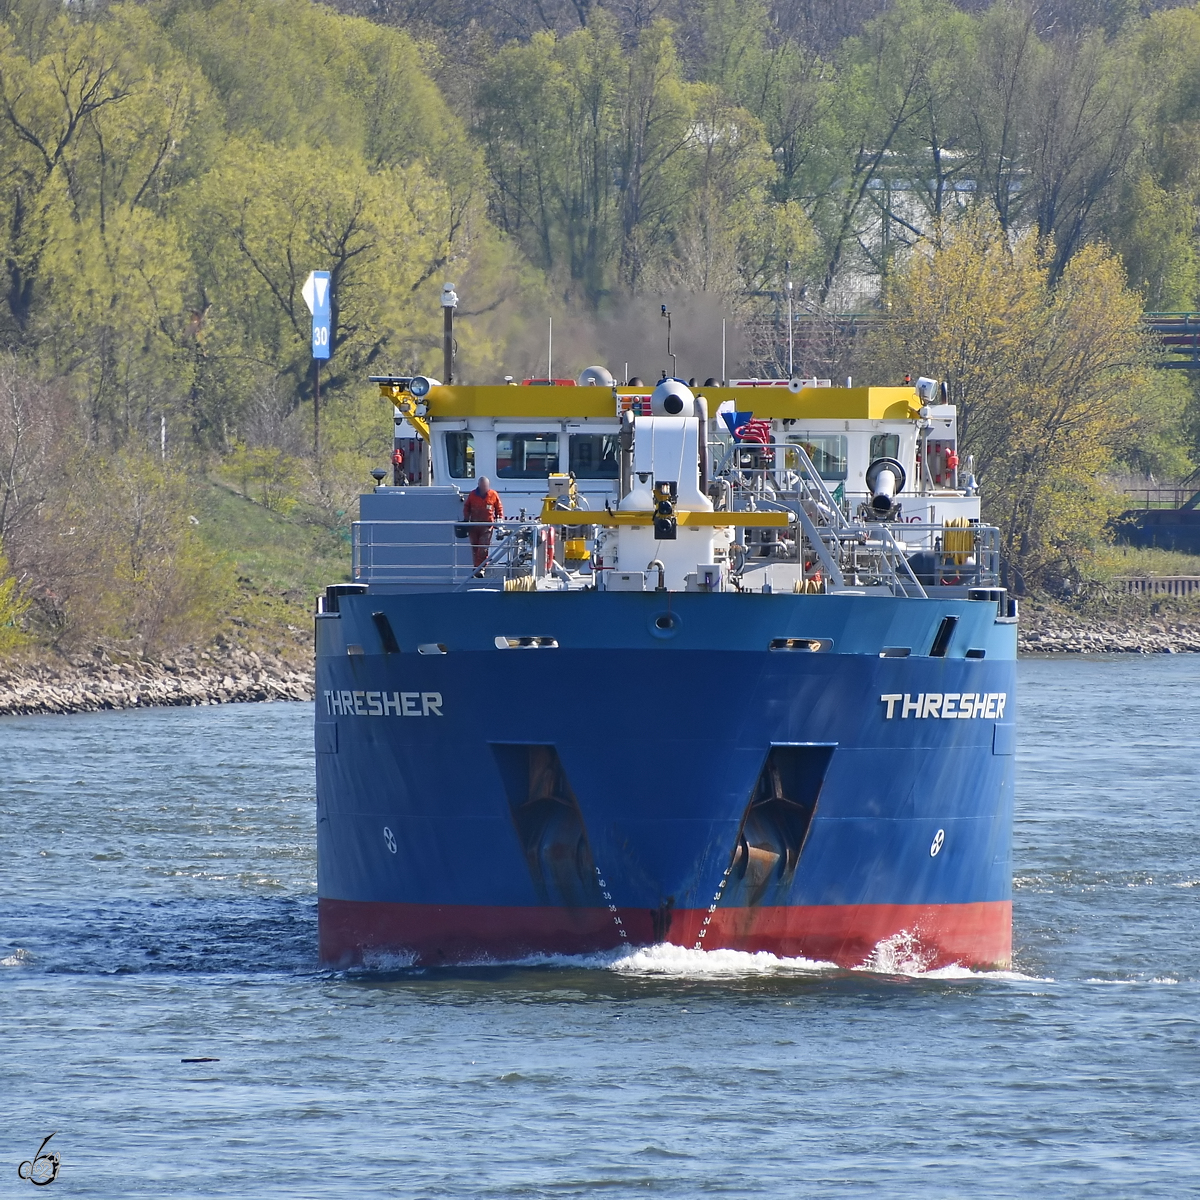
407,404
696,518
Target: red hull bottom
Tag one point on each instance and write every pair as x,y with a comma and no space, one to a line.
975,935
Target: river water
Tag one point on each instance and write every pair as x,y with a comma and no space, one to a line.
157,903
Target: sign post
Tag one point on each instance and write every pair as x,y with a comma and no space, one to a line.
316,295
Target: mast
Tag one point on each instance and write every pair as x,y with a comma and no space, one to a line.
449,304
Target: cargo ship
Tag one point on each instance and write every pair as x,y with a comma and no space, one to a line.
734,669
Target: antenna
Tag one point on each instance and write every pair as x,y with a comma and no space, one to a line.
724,377
674,362
550,352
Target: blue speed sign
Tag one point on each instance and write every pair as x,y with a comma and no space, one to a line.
316,296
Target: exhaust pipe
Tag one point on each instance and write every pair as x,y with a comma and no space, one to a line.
625,443
885,481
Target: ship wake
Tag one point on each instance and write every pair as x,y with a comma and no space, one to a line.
899,955
904,954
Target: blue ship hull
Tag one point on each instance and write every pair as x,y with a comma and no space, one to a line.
634,783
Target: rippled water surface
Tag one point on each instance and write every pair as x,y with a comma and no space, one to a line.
157,903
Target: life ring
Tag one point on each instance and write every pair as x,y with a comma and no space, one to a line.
549,549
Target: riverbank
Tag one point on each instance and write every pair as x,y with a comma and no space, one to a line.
232,674
1051,629
216,676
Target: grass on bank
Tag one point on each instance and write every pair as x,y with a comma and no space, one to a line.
285,554
281,563
1102,597
1115,562
268,569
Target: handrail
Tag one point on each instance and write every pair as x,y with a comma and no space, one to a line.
906,558
813,533
388,551
805,471
815,478
903,558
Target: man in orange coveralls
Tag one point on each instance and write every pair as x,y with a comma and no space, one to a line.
481,509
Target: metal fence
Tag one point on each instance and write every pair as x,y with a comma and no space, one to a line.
1159,585
1159,497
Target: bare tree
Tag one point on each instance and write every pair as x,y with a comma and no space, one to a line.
1086,128
30,433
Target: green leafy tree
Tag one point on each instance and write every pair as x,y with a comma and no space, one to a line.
1049,377
793,92
734,38
935,151
264,218
48,106
657,136
735,238
93,124
1159,445
551,118
96,117
1083,138
13,607
262,61
119,326
592,153
1159,244
1168,66
132,571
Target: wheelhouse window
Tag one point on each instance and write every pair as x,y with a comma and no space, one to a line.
460,455
827,451
526,455
593,455
885,445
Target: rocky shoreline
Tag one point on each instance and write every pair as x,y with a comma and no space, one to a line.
231,675
1047,631
227,676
